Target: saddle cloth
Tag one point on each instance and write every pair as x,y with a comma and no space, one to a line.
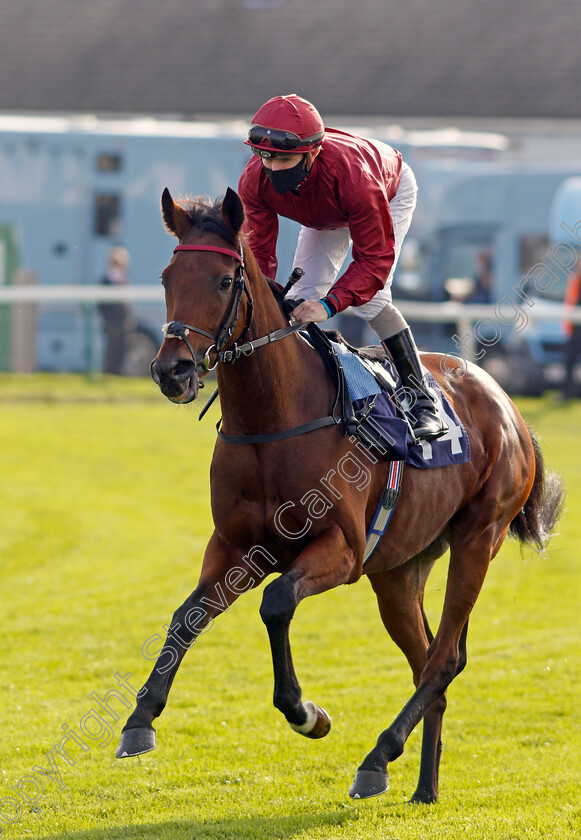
381,417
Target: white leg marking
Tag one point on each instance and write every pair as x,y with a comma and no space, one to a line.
310,722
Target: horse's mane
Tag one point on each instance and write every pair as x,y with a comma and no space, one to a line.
285,305
206,215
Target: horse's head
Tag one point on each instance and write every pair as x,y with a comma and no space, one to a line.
204,286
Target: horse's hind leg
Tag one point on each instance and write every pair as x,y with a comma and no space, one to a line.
400,599
469,559
427,788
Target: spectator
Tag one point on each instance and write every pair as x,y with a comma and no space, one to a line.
476,288
573,331
116,316
481,293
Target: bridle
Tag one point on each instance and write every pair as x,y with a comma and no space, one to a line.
181,330
178,329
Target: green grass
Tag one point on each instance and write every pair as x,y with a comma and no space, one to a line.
105,515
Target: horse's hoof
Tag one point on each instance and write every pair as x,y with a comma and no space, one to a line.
317,724
136,742
368,783
423,797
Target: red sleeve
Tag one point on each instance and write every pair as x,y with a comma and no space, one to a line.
261,222
371,230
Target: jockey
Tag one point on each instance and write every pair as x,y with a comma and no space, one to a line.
343,190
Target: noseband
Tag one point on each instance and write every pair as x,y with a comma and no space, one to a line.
178,329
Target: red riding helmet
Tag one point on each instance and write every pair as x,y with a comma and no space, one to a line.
286,124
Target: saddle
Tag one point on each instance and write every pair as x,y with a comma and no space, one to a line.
354,406
372,404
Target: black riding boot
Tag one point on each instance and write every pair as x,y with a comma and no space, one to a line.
425,420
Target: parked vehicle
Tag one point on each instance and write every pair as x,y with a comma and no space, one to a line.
72,187
498,218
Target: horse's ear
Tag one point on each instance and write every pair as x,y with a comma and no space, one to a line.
175,218
233,210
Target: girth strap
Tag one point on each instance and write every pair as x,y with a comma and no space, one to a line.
271,437
384,510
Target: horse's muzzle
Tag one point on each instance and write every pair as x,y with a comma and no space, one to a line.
178,380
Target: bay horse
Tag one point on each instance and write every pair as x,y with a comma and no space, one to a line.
292,494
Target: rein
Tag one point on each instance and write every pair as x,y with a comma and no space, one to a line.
177,329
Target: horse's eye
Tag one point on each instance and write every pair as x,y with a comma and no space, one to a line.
226,283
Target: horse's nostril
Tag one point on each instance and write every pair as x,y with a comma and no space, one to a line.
155,372
183,369
171,371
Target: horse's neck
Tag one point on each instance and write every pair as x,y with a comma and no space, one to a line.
275,386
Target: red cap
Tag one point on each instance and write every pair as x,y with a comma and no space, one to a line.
290,113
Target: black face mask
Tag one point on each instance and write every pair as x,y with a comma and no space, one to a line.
284,180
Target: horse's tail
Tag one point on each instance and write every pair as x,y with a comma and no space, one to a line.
535,522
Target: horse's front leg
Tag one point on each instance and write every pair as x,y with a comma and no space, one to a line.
221,581
325,563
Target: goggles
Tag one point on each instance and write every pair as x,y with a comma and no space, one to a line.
282,141
264,153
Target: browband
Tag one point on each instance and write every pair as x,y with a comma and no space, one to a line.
226,251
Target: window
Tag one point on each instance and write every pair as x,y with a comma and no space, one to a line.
107,214
109,162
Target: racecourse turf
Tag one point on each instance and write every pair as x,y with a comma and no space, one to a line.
105,515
